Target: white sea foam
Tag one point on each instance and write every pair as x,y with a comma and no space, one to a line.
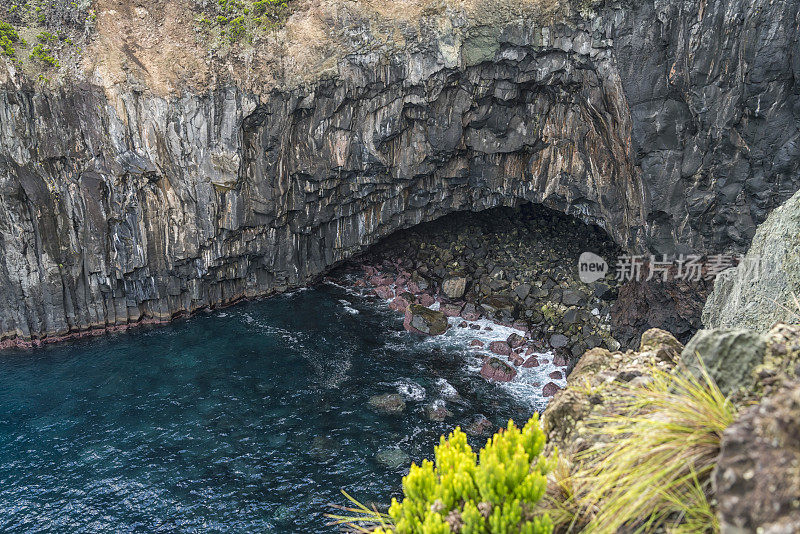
410,390
446,389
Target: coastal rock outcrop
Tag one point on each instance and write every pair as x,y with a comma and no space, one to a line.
128,195
765,287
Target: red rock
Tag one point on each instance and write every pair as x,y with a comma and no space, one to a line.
451,309
414,288
550,389
463,324
530,350
494,369
515,340
384,292
426,300
370,270
476,343
516,359
555,375
559,360
479,427
400,281
531,362
399,304
360,283
500,347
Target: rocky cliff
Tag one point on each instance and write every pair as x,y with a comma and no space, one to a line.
147,182
764,288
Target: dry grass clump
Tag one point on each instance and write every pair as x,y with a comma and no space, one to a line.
649,468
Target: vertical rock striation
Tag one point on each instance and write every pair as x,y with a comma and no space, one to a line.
670,124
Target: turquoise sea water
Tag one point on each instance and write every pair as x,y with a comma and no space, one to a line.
248,419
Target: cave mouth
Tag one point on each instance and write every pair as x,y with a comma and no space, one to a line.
517,266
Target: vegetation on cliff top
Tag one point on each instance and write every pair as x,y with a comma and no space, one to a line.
238,21
56,27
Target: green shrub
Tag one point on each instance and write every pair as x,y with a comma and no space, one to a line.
8,36
494,492
44,54
47,37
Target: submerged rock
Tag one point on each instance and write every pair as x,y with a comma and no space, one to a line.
388,404
393,458
479,426
437,411
425,321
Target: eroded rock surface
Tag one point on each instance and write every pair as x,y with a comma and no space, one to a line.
765,287
127,196
757,477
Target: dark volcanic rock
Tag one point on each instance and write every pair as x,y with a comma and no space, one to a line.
122,204
425,321
389,404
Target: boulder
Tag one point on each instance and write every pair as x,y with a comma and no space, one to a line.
550,389
454,286
470,312
494,369
515,340
400,303
425,321
451,309
500,347
522,291
437,411
425,300
384,292
493,305
388,404
516,359
393,458
531,362
730,356
558,341
476,343
757,476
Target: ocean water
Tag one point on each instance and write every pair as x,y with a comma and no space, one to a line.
247,419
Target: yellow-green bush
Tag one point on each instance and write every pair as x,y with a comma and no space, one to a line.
494,492
8,36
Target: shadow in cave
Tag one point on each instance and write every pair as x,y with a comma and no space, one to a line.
517,266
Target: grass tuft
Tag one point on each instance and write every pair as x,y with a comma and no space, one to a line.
650,467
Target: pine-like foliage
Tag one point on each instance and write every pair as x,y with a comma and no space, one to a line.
494,492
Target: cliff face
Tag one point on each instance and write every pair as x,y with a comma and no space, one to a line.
670,124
